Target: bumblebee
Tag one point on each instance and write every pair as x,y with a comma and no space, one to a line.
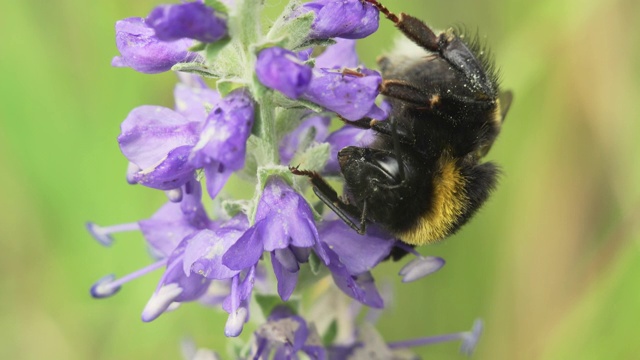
423,177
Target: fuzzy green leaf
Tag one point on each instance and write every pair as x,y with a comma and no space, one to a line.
196,68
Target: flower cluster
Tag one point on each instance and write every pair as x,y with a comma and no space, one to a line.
271,107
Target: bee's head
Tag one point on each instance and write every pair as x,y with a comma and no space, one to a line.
365,170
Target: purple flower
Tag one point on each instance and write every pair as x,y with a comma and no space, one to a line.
340,55
237,303
281,70
352,257
284,227
286,334
142,51
158,141
350,94
315,125
221,148
174,221
192,20
175,286
349,19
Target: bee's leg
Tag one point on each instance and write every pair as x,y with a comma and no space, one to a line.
381,127
329,196
411,27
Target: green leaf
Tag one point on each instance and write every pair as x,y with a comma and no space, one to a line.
233,207
196,68
314,263
330,335
217,5
290,33
213,49
224,87
199,46
313,158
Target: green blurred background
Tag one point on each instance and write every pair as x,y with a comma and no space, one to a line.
552,263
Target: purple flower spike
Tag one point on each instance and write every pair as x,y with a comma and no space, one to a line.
221,148
350,95
349,19
142,51
281,70
192,20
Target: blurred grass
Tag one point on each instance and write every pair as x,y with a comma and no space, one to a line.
551,263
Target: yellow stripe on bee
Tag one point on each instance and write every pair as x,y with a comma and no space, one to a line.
448,203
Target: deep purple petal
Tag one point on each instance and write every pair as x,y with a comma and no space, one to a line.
149,133
351,96
141,50
286,280
172,172
191,20
281,70
340,55
287,259
349,19
246,251
357,286
359,253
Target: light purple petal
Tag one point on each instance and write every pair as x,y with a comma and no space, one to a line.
287,280
421,267
203,254
141,50
191,20
149,133
194,102
281,70
340,55
171,172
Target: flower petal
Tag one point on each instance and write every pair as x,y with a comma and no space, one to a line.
247,250
287,280
149,133
141,50
281,70
191,20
